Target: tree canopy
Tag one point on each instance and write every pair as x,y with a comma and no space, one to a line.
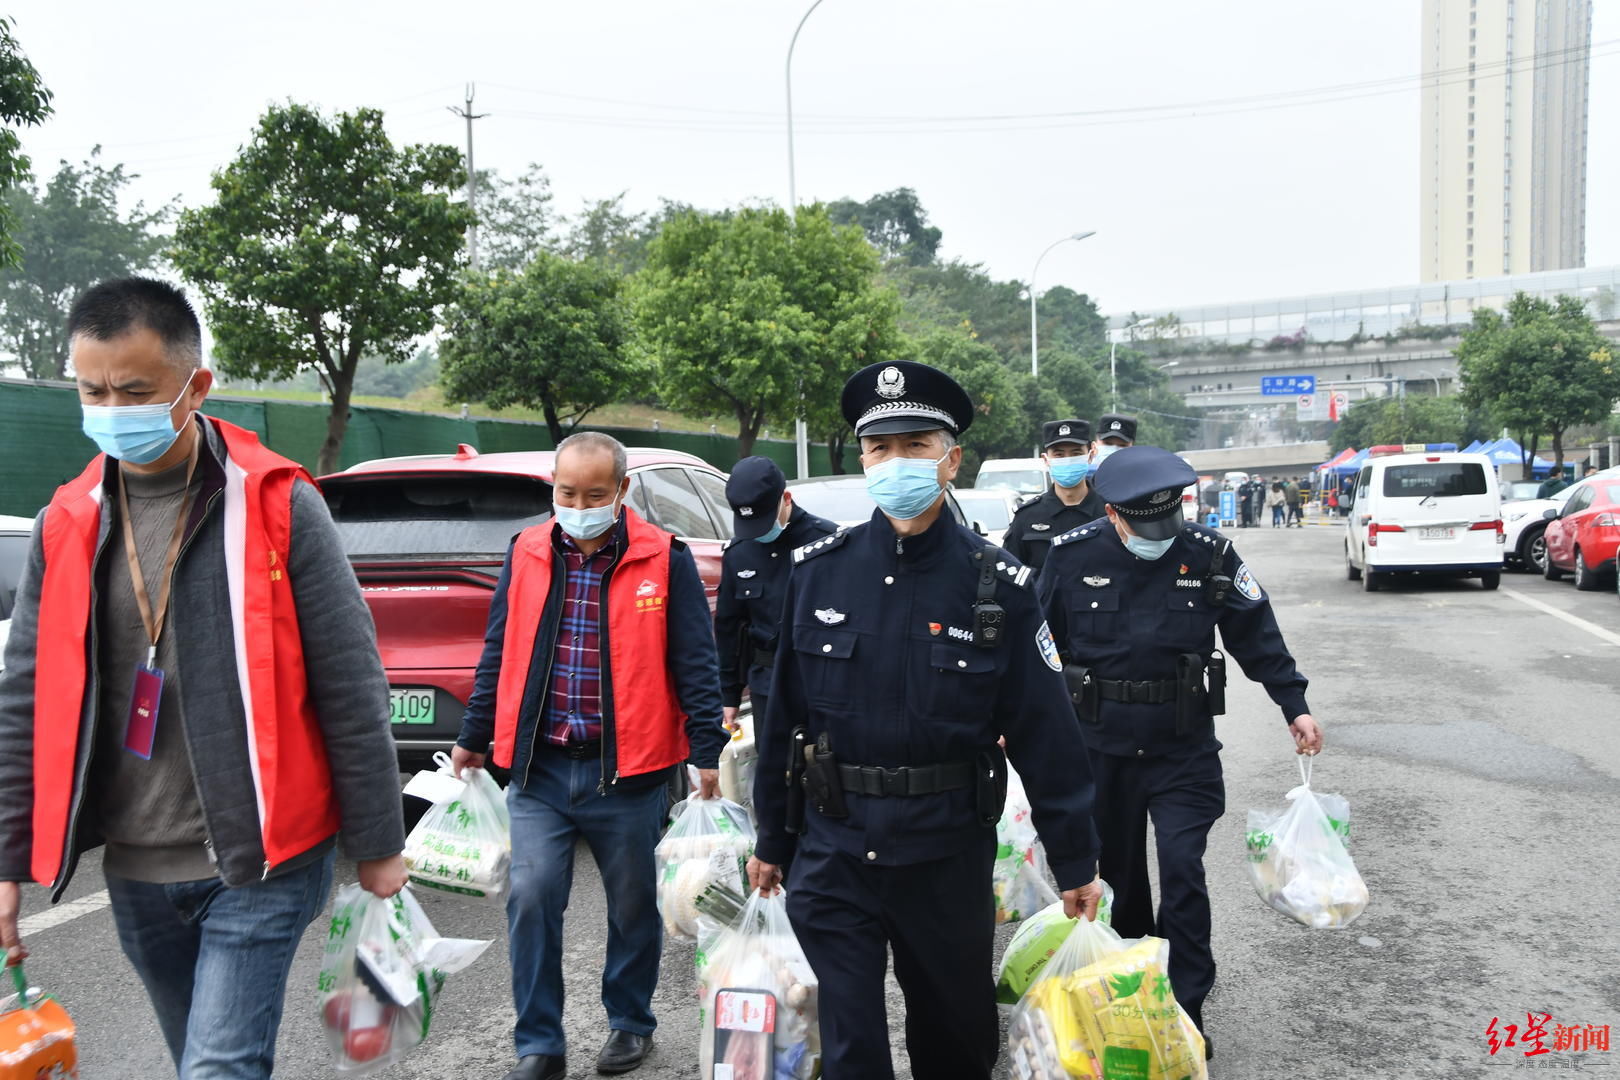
895,223
24,100
324,243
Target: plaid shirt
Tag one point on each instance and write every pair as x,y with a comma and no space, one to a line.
575,713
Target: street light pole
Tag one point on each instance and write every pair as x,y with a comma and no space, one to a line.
801,431
1034,332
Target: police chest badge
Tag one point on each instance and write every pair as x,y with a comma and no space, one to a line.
1097,582
1244,583
745,574
830,616
1040,526
1048,647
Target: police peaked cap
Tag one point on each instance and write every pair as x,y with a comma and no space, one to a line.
1144,484
887,399
1117,426
1061,431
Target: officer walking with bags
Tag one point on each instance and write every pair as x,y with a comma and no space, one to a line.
1069,502
908,647
766,527
1134,602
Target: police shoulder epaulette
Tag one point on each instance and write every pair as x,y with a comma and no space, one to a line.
1198,534
727,545
1009,568
819,547
1084,532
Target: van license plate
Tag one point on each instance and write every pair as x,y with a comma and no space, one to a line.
1439,534
410,706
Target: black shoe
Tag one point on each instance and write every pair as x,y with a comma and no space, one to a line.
623,1052
539,1067
1209,1048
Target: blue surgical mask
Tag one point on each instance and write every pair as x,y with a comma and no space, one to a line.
905,488
776,530
1104,452
1147,549
138,434
589,523
1070,471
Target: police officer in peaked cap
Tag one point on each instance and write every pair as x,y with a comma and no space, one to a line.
1116,429
1069,502
766,527
908,647
1134,602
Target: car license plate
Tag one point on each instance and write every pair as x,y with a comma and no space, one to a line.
1438,534
410,706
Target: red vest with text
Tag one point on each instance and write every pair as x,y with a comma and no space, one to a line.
291,780
648,725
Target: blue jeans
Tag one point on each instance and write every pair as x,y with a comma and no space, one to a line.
214,961
557,805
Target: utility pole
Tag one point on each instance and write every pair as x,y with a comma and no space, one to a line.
801,430
472,175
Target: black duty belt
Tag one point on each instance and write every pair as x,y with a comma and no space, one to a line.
1143,692
578,751
875,780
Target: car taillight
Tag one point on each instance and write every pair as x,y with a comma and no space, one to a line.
1607,521
1487,526
1373,529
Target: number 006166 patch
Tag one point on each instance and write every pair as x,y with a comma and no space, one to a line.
1244,583
1048,647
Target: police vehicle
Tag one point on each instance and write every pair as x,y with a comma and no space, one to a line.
1420,512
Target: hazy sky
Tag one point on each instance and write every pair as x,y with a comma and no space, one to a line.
1282,194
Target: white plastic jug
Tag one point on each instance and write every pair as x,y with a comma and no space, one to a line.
737,764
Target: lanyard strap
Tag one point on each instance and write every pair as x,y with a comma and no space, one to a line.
154,624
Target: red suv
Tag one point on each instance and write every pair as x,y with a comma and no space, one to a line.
1584,536
427,536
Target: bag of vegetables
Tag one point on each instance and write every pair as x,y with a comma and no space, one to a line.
1019,877
1103,1009
383,972
463,845
709,843
1036,942
1298,859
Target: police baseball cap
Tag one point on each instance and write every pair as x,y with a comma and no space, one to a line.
1144,484
754,491
887,399
1062,431
1117,426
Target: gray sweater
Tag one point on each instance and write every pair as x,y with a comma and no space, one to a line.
348,690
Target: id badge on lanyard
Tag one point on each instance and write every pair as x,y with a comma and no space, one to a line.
141,730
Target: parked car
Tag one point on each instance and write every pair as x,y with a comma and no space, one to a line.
1427,513
1525,524
843,499
1519,490
1584,535
990,508
1024,475
427,536
15,534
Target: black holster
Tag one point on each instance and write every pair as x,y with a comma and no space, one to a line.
990,784
793,817
1189,691
1083,692
1217,683
823,787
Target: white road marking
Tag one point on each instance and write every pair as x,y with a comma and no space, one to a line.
62,913
1574,620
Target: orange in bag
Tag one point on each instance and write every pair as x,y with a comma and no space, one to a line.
36,1036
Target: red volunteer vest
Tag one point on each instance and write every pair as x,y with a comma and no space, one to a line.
291,779
648,724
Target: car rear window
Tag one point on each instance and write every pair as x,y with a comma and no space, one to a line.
991,513
1434,478
434,516
1016,479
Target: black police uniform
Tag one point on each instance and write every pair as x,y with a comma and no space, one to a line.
1142,631
1046,517
884,660
748,610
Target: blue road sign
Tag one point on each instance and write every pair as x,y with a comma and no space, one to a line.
1287,385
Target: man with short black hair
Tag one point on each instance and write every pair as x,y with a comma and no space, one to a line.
158,697
1554,483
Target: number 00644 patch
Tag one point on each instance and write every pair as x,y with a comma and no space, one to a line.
1048,647
1244,583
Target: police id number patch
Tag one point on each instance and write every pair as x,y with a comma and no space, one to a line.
1244,583
1048,647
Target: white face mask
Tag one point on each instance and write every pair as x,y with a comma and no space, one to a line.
588,523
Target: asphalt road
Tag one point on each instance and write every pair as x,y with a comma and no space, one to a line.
1472,732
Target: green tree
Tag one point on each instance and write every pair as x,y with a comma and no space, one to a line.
747,311
71,236
23,100
895,222
376,377
608,233
325,243
552,336
515,219
1002,425
1541,367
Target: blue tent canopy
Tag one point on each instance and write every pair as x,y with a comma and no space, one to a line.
1474,447
1509,452
1349,465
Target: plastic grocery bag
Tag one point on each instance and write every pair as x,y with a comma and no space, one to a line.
1103,1009
709,843
1298,858
384,970
463,845
759,998
1036,942
36,1035
1019,876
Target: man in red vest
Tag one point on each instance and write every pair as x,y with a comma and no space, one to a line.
157,699
598,677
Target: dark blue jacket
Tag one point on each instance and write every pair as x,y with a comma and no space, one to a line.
1042,520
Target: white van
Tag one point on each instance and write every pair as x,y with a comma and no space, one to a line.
1424,513
1027,476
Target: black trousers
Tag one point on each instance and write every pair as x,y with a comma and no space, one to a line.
1184,795
939,917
